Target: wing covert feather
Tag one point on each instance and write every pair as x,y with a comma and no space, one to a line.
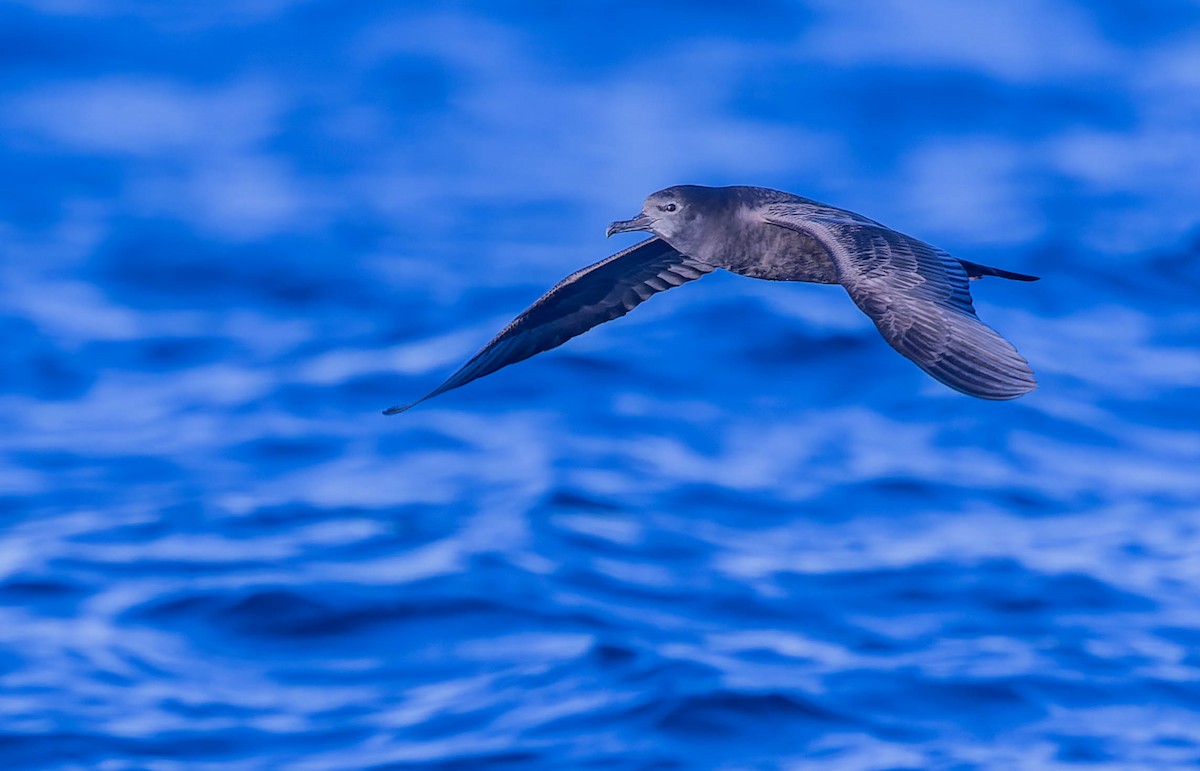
919,298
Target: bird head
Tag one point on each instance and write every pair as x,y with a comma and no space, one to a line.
668,214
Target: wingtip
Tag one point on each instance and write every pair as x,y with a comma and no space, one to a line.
396,410
1012,392
979,362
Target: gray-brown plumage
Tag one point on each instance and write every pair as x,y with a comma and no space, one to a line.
917,295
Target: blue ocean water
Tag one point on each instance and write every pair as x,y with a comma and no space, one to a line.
731,530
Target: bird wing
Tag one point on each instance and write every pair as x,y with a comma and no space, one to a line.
598,293
918,297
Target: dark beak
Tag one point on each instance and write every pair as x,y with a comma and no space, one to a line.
640,222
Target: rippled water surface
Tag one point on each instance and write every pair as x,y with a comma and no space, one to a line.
731,530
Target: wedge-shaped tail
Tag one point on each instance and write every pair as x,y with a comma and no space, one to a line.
975,270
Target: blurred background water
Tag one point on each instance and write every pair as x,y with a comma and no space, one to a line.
732,530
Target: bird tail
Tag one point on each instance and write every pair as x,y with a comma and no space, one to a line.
975,270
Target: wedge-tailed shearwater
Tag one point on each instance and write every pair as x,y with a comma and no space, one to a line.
917,295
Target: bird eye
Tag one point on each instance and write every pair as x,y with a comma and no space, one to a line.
670,207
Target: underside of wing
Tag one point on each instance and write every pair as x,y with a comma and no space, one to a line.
919,298
598,293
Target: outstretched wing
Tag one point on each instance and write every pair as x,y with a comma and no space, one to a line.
598,293
918,297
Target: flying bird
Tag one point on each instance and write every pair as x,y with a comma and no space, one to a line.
917,295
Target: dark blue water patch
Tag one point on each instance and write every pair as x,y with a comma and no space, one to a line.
1084,749
1030,503
406,438
1180,261
771,716
584,370
367,619
886,495
15,507
173,516
1011,590
602,582
591,39
992,593
170,353
1176,742
1170,277
411,86
19,589
1180,412
909,100
287,41
37,46
278,613
1173,275
1158,23
610,655
709,501
407,527
294,618
572,500
54,597
275,453
1074,651
227,744
650,550
488,220
1170,691
30,40
53,461
975,426
406,317
33,365
642,760
315,400
1186,636
811,615
979,706
468,761
891,496
38,750
84,563
376,392
450,723
790,349
27,164
177,43
145,469
84,482
157,264
572,540
659,679
160,354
